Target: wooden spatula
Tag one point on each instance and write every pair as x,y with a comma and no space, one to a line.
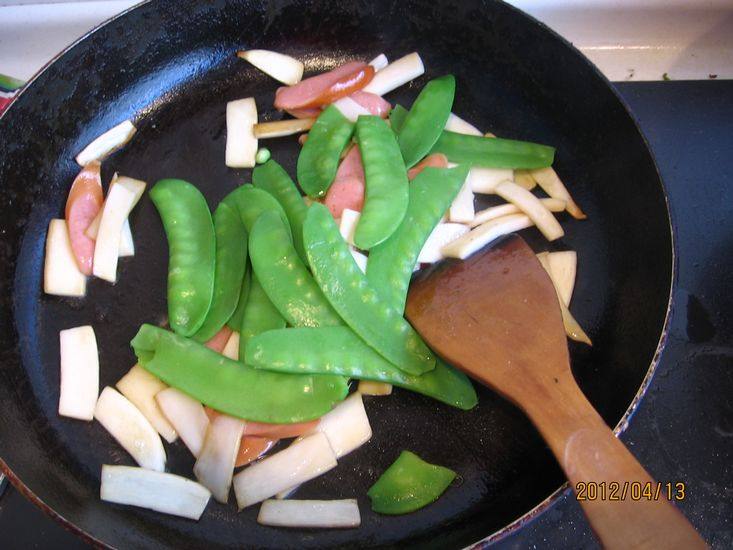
496,317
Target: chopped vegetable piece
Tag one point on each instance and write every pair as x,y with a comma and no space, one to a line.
525,179
379,62
409,484
337,350
280,128
79,373
260,315
347,226
369,387
279,431
563,266
532,207
460,126
166,493
397,118
141,387
82,206
235,321
462,208
61,275
241,145
391,263
262,156
186,415
221,383
361,307
347,189
127,246
215,463
350,108
301,462
396,74
309,93
424,122
319,158
107,143
443,234
131,429
360,259
493,152
231,349
252,448
493,212
482,235
278,65
346,426
551,184
192,257
436,160
310,513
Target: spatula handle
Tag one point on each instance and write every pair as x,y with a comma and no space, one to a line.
625,506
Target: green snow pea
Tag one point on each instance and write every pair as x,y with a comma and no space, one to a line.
493,152
337,350
231,262
360,306
426,119
391,263
321,153
385,200
259,315
285,278
235,321
271,177
397,118
192,252
251,202
409,484
232,387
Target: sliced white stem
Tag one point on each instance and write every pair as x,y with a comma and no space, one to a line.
107,143
369,387
346,426
61,275
338,514
302,461
379,62
241,145
551,184
482,235
231,348
396,74
350,108
525,179
166,493
127,244
215,464
359,258
458,125
131,429
462,208
280,128
563,266
348,223
79,373
279,66
532,207
141,387
186,415
493,212
443,234
484,180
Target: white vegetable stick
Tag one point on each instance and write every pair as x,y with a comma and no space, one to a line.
231,348
369,387
121,199
107,143
379,62
61,275
130,428
215,464
279,66
359,258
551,184
186,415
396,74
563,266
166,493
493,212
442,234
241,145
346,426
127,245
310,513
524,178
350,108
141,387
348,223
480,236
484,180
462,208
458,125
302,461
79,373
287,493
280,128
532,207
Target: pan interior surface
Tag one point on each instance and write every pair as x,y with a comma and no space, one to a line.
172,68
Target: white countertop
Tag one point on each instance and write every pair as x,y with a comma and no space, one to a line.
627,39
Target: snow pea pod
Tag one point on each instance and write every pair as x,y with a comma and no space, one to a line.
231,262
259,315
319,158
386,195
397,118
493,152
426,119
192,252
285,278
271,177
251,202
235,321
337,350
391,263
360,306
232,387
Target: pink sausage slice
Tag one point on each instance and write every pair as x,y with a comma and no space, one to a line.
373,103
82,206
347,189
290,98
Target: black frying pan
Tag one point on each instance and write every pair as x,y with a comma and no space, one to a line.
170,65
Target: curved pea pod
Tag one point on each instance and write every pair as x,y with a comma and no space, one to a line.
232,387
272,178
360,306
391,263
251,202
337,350
285,278
386,196
493,152
231,262
235,321
259,316
397,118
319,158
192,252
426,119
